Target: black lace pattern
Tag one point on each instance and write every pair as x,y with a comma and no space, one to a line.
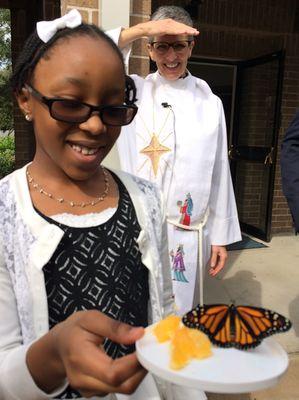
100,268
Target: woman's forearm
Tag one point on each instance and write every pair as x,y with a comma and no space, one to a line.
153,29
129,35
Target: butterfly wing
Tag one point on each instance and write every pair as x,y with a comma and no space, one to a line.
214,320
243,336
252,324
242,327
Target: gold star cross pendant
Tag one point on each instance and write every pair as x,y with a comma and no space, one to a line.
154,151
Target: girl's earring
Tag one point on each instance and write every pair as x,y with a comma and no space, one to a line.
28,117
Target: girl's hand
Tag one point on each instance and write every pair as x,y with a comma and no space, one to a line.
72,349
218,259
153,29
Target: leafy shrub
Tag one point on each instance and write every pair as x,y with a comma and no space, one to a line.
7,155
6,105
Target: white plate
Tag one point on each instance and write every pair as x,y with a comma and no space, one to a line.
226,371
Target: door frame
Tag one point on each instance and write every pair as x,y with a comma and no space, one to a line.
236,92
280,56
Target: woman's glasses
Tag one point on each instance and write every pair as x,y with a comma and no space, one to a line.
76,112
179,47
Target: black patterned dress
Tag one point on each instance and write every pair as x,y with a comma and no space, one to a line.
100,268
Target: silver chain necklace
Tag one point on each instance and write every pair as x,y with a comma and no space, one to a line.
41,190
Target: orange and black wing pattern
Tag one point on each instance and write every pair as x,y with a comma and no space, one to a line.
242,327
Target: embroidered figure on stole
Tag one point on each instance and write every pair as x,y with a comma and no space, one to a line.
186,209
178,264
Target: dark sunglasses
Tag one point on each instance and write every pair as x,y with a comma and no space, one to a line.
76,112
179,47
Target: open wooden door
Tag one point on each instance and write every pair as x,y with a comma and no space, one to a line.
254,140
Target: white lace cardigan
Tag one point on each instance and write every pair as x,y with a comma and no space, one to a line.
27,242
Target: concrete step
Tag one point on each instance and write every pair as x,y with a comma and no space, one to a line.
266,277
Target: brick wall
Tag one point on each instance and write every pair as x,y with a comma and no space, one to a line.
281,218
139,62
89,9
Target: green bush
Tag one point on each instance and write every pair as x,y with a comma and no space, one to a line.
7,155
6,105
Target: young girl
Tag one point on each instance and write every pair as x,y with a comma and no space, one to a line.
83,250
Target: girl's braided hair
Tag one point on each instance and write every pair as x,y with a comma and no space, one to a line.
35,49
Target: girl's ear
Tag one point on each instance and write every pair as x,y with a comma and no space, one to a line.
24,102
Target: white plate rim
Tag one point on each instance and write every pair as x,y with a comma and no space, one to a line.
173,376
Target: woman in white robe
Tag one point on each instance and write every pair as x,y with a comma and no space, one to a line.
178,140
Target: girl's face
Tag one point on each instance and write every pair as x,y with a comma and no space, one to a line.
87,70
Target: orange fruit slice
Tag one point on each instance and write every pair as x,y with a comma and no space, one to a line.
202,345
181,349
187,344
165,329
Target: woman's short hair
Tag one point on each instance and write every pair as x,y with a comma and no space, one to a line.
178,14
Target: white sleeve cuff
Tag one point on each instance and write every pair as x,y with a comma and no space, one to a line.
16,381
224,231
126,51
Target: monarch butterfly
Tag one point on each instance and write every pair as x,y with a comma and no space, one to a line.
242,327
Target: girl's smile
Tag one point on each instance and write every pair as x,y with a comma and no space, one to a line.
87,153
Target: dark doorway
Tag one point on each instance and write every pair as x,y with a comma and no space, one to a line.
251,94
254,140
221,77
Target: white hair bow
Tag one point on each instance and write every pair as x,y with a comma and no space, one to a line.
47,29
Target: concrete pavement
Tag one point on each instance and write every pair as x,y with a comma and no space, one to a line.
266,277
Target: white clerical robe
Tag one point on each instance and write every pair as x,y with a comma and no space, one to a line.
178,140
